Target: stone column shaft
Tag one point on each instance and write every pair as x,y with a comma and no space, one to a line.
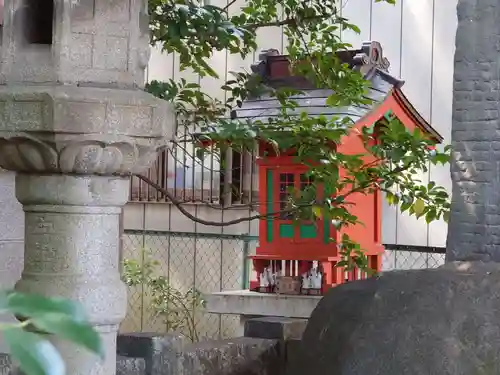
72,251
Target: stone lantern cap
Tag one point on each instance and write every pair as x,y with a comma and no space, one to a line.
71,88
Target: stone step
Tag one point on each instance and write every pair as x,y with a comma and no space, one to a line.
238,356
130,366
160,352
124,366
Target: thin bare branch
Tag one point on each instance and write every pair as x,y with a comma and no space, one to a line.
226,8
179,205
286,22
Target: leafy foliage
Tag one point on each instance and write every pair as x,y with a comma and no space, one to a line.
394,156
177,309
40,316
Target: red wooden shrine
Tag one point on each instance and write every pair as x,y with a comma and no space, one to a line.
289,253
290,250
293,251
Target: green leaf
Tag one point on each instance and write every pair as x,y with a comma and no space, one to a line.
446,216
200,153
441,158
332,100
391,198
419,207
34,355
65,327
342,263
405,206
30,305
431,215
317,211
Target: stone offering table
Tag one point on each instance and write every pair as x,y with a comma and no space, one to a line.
248,305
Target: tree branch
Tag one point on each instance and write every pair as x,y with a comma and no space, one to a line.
179,204
185,212
226,8
286,22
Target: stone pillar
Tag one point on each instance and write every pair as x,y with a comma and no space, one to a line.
74,119
474,229
72,231
11,241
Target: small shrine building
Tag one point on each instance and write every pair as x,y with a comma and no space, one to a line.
287,252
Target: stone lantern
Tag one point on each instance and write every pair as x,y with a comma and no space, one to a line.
74,121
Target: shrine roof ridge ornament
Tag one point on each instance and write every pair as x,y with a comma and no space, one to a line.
384,92
369,60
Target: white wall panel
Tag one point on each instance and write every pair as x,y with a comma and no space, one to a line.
211,85
234,62
270,37
358,12
386,29
416,53
161,66
445,24
389,36
188,74
218,63
416,70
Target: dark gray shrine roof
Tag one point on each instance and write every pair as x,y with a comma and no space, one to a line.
369,60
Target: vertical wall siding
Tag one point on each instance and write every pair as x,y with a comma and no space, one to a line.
416,70
358,12
218,62
386,28
445,24
417,37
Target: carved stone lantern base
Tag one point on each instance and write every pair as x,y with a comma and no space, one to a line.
84,130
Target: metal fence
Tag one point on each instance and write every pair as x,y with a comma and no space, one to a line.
403,257
207,262
217,262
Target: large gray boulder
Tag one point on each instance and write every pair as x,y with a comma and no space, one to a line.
428,322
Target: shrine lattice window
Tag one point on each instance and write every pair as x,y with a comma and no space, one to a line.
286,186
305,181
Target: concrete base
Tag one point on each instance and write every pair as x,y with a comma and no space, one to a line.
250,305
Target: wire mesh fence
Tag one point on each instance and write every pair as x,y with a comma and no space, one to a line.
211,263
205,262
401,257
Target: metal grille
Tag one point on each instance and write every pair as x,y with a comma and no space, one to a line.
228,177
217,262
